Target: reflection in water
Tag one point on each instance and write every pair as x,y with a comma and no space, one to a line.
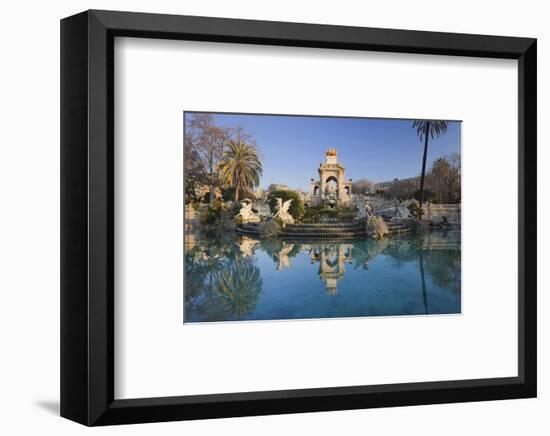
423,280
283,256
241,278
238,287
332,259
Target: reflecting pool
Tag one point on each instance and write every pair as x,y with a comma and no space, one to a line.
234,278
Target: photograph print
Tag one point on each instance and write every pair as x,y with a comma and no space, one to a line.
293,217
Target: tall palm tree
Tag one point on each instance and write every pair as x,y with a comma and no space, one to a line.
240,167
427,129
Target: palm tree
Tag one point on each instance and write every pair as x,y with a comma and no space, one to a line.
424,130
240,167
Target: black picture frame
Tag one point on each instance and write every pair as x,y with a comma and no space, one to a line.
87,217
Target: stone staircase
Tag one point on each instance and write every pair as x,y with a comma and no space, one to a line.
324,231
250,229
396,228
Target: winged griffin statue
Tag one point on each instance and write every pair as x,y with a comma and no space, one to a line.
282,211
246,214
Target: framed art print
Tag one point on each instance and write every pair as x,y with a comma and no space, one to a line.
264,217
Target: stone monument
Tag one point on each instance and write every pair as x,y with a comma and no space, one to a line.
332,188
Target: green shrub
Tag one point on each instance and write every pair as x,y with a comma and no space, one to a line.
214,213
311,214
346,213
316,213
329,213
270,229
346,216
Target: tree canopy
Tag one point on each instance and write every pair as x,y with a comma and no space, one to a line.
204,146
240,167
362,186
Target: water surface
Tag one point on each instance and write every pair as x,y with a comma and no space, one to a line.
234,278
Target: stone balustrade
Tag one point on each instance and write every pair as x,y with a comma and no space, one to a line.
438,212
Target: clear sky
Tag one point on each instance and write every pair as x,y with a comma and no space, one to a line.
292,147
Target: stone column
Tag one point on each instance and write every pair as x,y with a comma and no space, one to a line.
341,191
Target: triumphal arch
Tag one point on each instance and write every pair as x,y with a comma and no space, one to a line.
332,189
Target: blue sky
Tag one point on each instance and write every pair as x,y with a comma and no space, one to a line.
292,147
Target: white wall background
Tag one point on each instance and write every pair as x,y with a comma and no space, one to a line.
149,219
29,215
